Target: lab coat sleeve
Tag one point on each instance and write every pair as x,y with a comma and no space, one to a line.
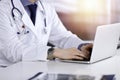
12,49
60,36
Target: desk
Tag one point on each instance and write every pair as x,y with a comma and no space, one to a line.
24,70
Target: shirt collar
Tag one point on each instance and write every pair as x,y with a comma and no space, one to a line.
27,2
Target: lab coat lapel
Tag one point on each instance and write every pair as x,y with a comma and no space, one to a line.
28,23
25,17
39,16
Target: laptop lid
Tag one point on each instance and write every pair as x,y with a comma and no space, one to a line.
105,43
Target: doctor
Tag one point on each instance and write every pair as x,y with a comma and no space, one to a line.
25,39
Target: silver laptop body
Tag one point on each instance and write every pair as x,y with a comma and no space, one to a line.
105,43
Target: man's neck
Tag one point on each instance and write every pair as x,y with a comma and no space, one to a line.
32,1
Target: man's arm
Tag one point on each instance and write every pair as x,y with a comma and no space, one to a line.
65,40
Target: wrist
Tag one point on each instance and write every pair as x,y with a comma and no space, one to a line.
50,53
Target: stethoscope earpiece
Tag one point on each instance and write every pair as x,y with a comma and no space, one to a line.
27,31
24,32
18,32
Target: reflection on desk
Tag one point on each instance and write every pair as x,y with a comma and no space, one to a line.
66,77
72,77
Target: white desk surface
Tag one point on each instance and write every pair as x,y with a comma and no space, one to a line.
24,70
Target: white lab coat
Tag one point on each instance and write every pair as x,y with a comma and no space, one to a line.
31,46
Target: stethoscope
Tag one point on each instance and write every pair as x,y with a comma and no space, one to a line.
24,31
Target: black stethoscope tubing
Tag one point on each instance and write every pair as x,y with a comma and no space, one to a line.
14,8
13,15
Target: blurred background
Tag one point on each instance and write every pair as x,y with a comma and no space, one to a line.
83,16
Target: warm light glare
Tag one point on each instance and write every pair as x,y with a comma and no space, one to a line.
91,6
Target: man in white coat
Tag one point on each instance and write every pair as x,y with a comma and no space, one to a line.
22,39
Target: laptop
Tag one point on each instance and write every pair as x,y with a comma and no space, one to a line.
104,45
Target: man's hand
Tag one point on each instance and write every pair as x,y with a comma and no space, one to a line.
87,49
73,53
